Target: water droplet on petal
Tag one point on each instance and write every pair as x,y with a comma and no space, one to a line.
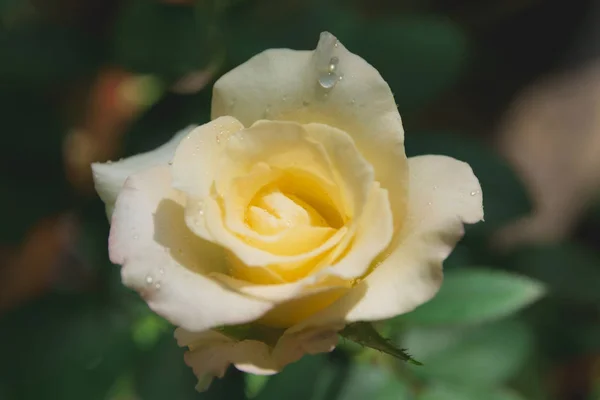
157,286
328,80
326,63
333,63
161,271
149,280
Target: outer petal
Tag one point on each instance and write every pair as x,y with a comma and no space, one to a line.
443,194
212,352
166,262
109,177
284,85
196,159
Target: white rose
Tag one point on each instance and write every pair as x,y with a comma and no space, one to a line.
294,209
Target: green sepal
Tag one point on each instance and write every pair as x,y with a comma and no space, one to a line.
366,335
257,332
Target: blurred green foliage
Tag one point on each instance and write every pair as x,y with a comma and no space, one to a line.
480,339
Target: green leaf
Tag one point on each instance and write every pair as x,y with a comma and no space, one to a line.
446,392
474,295
374,383
255,384
570,270
504,196
147,330
481,357
365,334
310,378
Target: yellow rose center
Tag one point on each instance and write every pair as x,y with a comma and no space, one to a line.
295,208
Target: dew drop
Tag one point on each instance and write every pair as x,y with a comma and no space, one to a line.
333,64
161,271
157,285
170,162
136,237
284,98
353,101
328,80
474,193
149,280
326,63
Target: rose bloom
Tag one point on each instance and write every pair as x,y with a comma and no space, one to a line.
292,213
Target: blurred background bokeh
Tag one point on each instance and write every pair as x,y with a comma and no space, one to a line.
510,86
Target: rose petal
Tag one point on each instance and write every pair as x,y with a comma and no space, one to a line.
444,194
247,253
110,177
164,261
283,84
211,352
280,145
263,153
196,158
299,300
373,235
